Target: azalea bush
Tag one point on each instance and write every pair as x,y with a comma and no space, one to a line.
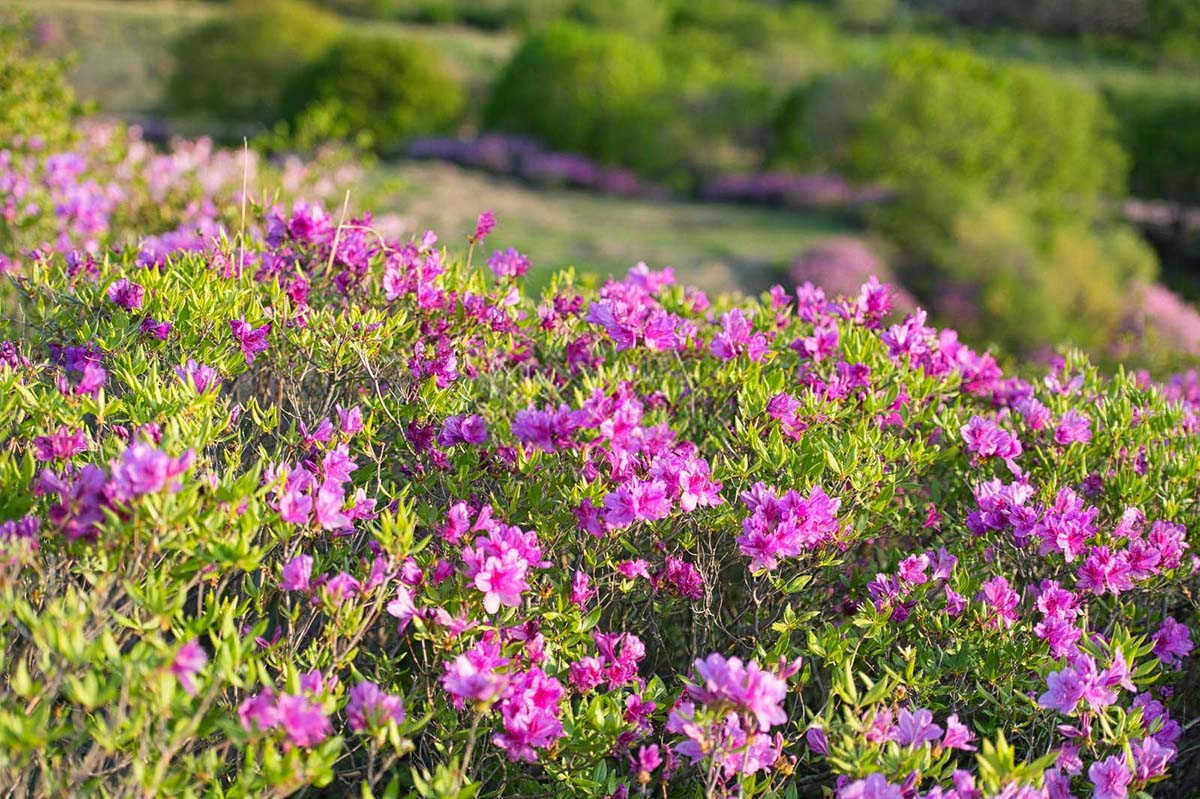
292,505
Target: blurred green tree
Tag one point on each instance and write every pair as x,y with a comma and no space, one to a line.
1005,182
384,88
36,99
604,94
234,68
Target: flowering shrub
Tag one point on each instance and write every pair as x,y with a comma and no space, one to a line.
115,189
290,504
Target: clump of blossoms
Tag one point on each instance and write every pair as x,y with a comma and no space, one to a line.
501,558
528,700
784,526
726,714
300,716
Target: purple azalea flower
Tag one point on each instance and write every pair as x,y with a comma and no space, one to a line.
370,707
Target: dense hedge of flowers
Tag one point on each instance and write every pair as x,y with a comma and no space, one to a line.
293,506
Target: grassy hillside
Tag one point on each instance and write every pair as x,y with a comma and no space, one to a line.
714,246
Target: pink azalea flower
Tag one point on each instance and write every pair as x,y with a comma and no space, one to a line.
1150,758
958,735
915,727
1001,600
252,340
508,263
502,580
747,687
529,711
1172,642
631,569
473,676
580,592
402,607
341,587
1073,427
1064,689
737,337
188,661
143,469
987,439
587,673
874,786
350,420
330,499
126,294
198,376
483,226
304,721
1110,778
258,712
61,445
371,707
297,573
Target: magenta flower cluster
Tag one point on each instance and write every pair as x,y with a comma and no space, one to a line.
346,509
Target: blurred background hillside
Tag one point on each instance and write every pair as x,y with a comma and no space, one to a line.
1028,170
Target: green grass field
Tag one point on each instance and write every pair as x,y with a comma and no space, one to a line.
717,247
